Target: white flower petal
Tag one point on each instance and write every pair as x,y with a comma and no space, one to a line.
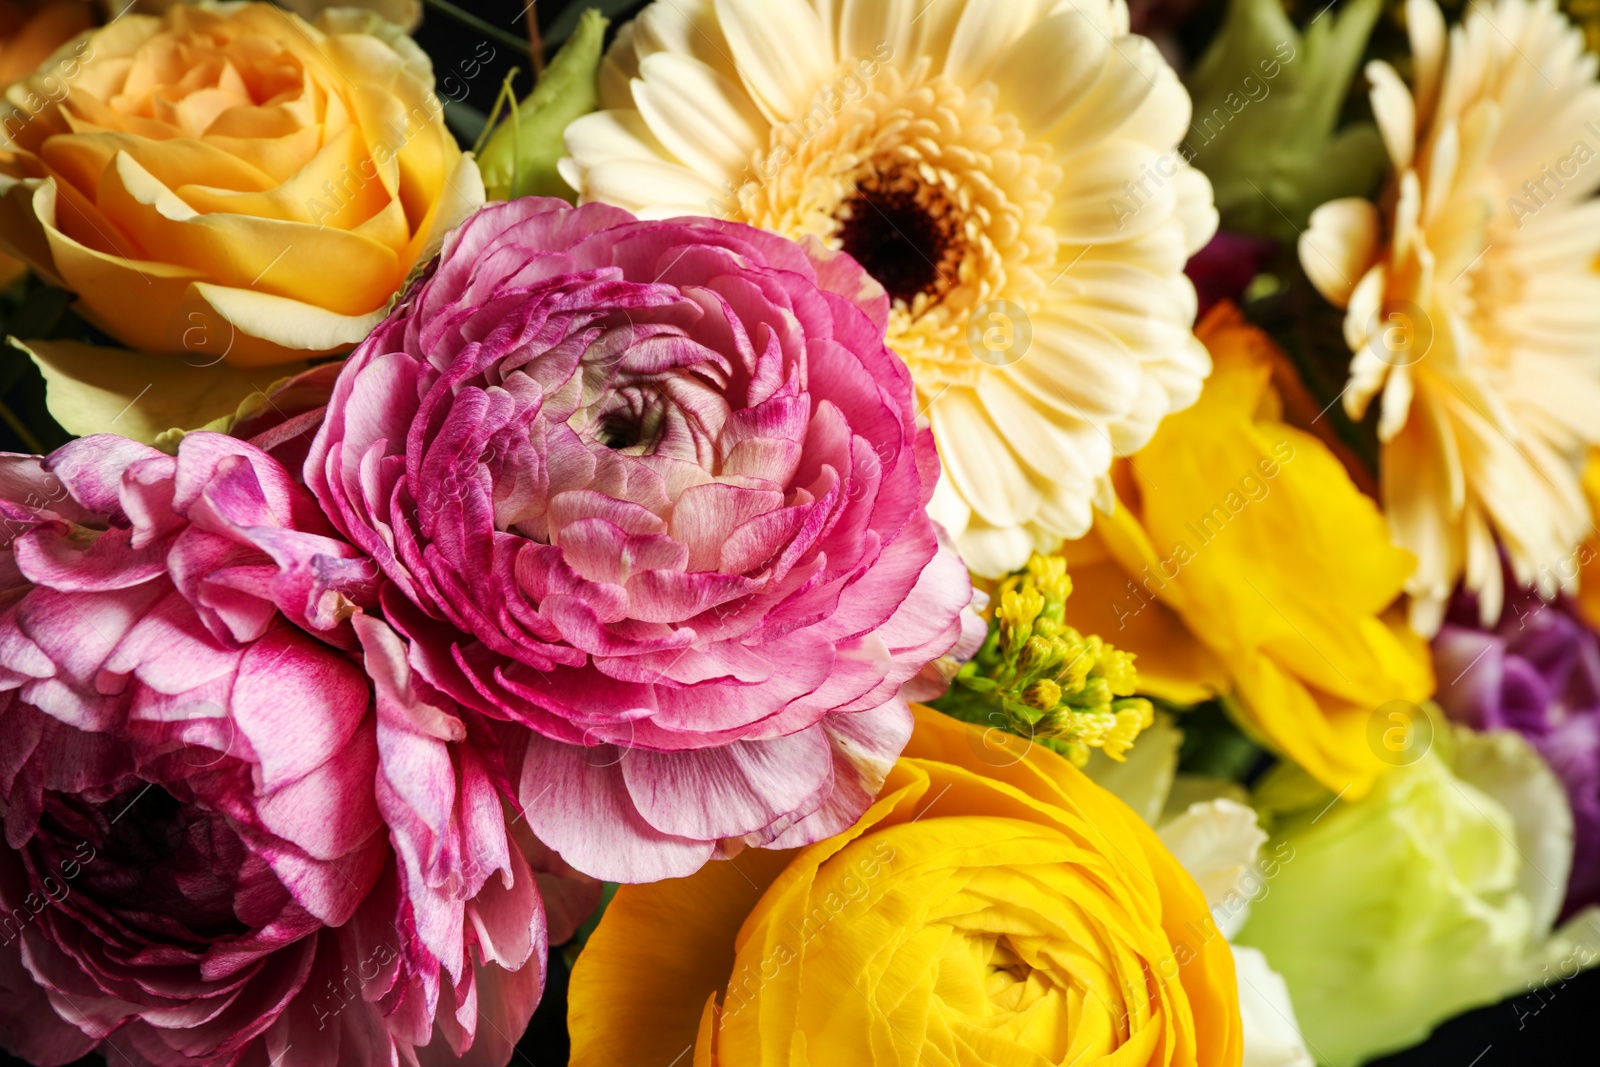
704,119
782,52
1272,1036
1392,106
1050,68
1338,246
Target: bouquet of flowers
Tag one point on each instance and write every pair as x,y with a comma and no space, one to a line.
984,532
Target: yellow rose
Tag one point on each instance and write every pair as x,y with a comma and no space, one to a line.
1242,560
29,33
994,906
230,182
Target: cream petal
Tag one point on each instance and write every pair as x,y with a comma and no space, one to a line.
1195,208
704,119
947,508
1115,192
984,469
1064,514
1272,1037
1050,68
1425,25
1396,403
868,26
782,52
1396,113
986,30
1162,118
991,551
616,134
1217,842
1078,368
1069,454
1128,78
686,28
1339,244
638,185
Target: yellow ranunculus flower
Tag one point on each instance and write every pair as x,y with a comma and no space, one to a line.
232,182
1242,560
994,906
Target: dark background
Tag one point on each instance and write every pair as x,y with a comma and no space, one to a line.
1548,1029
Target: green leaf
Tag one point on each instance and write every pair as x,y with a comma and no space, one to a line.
98,389
1267,102
565,23
520,158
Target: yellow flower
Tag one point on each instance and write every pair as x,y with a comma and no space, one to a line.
29,32
230,182
1241,560
994,906
1471,297
1008,171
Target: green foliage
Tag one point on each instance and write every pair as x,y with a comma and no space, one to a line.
1270,142
521,156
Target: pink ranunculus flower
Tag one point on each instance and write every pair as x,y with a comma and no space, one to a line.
206,862
652,495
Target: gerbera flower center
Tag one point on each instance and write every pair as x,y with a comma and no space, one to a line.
905,234
941,198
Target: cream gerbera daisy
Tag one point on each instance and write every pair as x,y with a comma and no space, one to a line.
1472,298
978,157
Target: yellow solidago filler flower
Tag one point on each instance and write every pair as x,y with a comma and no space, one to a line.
1041,679
1242,561
994,906
1471,297
231,182
1007,169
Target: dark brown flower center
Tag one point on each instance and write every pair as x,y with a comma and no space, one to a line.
904,233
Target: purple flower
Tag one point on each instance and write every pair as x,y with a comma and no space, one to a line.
651,495
1538,673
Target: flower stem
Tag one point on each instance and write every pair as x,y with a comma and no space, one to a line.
32,443
467,18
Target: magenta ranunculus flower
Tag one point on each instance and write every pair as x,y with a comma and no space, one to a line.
1538,673
227,844
653,491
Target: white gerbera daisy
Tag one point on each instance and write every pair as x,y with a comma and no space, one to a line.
1473,302
980,158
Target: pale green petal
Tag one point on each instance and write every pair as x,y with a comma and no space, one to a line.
1144,779
521,156
95,389
1429,896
